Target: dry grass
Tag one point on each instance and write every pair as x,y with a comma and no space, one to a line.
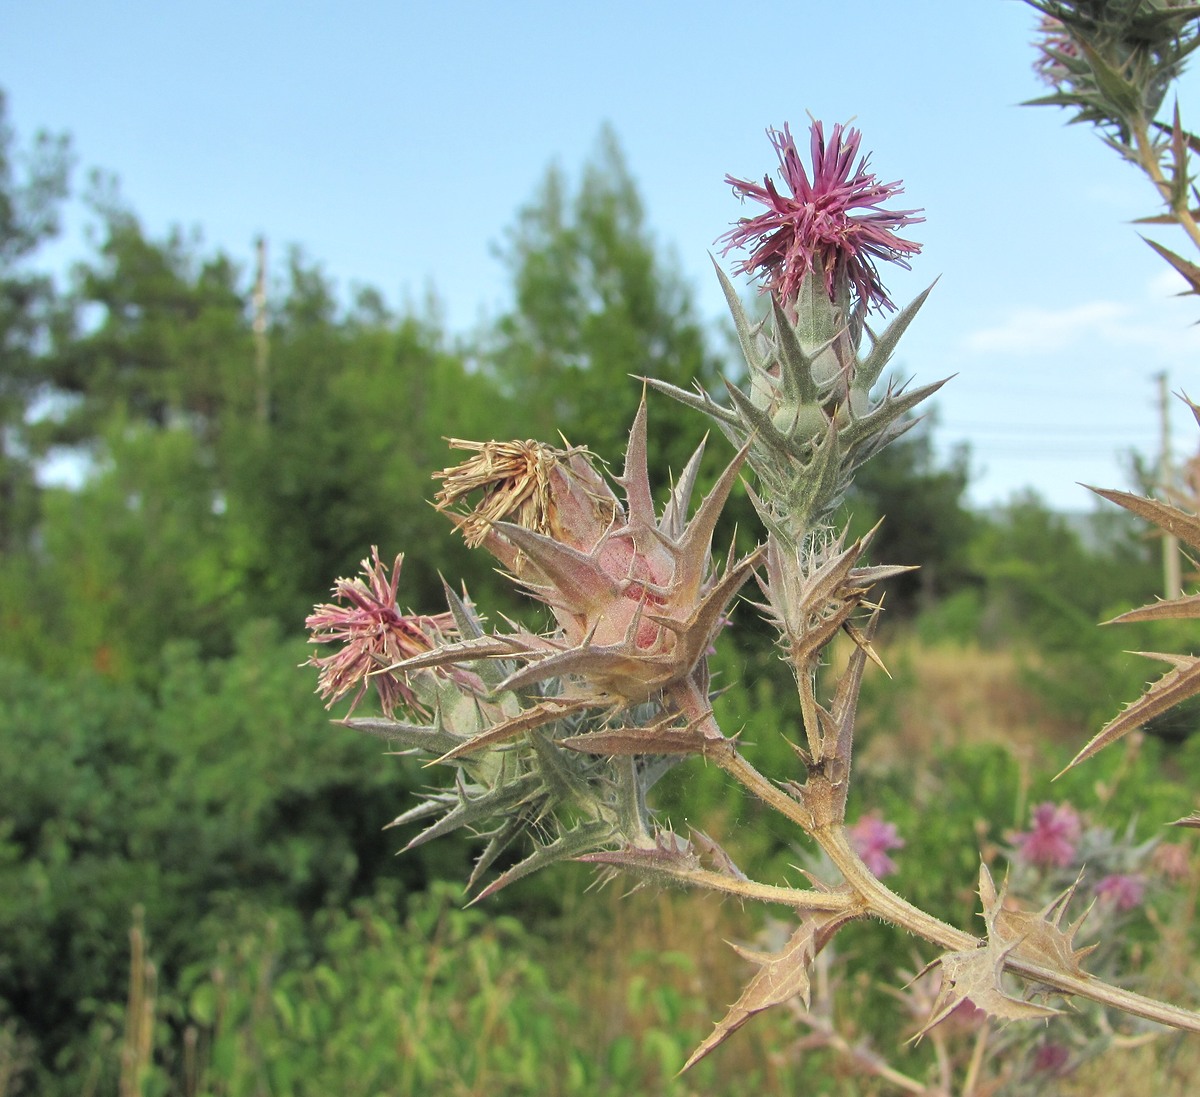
947,696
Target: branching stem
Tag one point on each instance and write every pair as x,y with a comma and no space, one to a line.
881,902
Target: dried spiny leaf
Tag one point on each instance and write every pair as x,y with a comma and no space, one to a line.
666,736
1168,518
976,974
672,856
1173,609
1174,687
1182,681
1037,937
781,976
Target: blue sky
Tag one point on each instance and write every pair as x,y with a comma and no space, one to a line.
396,141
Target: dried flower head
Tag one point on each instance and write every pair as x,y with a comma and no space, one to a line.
1054,837
373,635
538,487
873,839
831,224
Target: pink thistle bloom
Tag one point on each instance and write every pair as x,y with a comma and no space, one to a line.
1054,837
872,839
1125,890
1055,44
374,635
817,227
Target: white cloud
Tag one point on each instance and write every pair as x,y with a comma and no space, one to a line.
1160,327
1039,329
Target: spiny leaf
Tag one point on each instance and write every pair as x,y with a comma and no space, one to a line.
481,647
419,736
1169,518
976,974
1165,218
1037,936
746,332
1179,166
1171,689
671,856
635,477
573,843
796,366
674,516
699,401
1117,90
544,712
782,976
721,860
499,841
1189,270
1174,609
477,810
845,706
872,366
659,738
973,975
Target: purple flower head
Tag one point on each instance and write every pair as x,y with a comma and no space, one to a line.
1054,44
1054,837
872,838
1125,890
832,223
373,635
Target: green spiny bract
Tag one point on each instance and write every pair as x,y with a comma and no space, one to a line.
809,417
513,776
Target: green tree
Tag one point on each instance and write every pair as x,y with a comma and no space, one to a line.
160,335
33,184
595,302
360,402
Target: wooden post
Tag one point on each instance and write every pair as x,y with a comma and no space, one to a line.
1172,580
261,345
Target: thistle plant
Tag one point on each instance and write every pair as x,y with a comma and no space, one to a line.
557,738
1111,63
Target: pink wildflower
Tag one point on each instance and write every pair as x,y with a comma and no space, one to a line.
816,226
1125,890
1172,860
872,838
374,635
1052,1059
1054,837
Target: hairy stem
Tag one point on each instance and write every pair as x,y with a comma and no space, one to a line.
885,904
1148,160
802,898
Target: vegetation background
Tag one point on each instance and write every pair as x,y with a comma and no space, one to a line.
197,894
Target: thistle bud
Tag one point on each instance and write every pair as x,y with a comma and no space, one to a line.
635,596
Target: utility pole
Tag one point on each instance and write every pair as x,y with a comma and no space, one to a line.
261,346
1172,580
